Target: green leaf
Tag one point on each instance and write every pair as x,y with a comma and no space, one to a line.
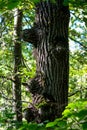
67,113
82,114
33,126
9,4
62,124
84,125
51,124
30,126
12,4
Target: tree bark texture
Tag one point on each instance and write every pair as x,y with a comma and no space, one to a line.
51,32
17,64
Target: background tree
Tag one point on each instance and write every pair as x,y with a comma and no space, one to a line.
17,64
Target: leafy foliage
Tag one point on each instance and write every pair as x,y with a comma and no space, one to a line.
74,117
75,114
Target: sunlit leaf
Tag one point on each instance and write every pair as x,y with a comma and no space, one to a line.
51,124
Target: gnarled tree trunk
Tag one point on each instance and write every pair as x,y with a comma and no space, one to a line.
50,39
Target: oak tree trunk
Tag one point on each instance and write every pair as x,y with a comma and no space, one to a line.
50,39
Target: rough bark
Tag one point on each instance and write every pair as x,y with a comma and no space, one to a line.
52,20
17,64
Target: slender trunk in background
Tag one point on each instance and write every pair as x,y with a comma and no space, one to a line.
17,64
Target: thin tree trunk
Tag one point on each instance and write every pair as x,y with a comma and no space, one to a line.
17,64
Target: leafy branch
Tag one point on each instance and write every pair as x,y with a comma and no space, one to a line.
80,43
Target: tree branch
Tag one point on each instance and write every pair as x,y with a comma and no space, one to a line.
80,43
31,36
8,78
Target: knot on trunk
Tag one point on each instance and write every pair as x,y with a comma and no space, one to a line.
36,85
31,114
48,111
32,35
